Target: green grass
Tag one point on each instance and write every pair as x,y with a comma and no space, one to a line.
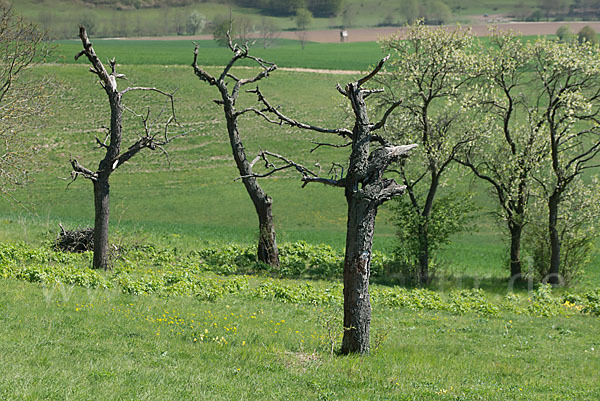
66,342
69,343
357,56
197,194
287,53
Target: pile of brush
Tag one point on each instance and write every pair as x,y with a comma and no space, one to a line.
78,240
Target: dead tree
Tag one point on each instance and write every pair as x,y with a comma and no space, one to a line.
365,188
115,157
267,244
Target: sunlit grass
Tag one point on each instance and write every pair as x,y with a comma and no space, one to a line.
71,343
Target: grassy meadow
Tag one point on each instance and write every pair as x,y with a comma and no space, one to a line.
187,314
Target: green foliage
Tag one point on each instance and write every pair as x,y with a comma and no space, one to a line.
221,25
304,19
577,228
325,8
195,22
564,34
450,215
437,13
432,115
587,34
588,302
136,4
473,300
296,294
543,304
166,273
320,8
410,10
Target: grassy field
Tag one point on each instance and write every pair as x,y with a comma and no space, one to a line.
68,343
202,194
195,197
286,53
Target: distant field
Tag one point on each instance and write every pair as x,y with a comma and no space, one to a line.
286,53
358,56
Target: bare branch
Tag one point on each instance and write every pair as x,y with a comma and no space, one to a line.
79,170
387,113
374,72
325,181
291,122
308,175
319,144
200,73
170,96
102,144
369,92
341,90
108,81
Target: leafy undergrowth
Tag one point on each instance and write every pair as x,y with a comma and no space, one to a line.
213,273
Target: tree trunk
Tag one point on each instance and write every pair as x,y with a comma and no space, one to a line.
102,210
357,270
516,230
263,204
423,273
267,243
553,275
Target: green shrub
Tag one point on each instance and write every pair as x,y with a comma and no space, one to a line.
587,34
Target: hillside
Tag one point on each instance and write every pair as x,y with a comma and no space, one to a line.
130,18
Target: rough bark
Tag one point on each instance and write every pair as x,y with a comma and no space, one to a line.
357,270
101,219
423,275
267,251
516,231
365,189
553,274
101,184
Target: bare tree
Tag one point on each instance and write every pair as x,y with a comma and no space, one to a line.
115,157
303,22
269,31
365,189
21,99
267,244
